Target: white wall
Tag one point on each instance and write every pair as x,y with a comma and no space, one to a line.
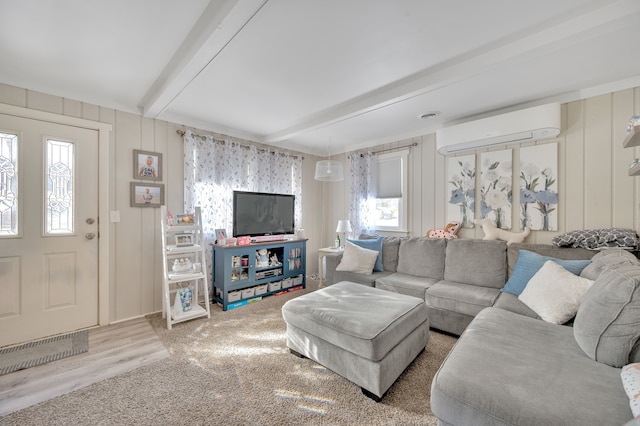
594,188
135,248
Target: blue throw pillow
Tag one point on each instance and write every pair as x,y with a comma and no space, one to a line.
375,244
529,263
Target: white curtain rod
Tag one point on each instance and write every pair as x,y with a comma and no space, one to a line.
203,137
380,151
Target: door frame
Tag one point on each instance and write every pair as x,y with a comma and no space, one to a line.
104,134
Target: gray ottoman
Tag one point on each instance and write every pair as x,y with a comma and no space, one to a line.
366,335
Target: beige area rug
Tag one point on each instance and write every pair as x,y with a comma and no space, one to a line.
235,369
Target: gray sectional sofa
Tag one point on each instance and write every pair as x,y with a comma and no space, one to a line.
510,367
457,278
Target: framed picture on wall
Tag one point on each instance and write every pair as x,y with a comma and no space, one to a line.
147,194
147,165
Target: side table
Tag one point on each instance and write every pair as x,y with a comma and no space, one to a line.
321,254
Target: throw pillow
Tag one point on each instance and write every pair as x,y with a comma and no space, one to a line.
631,382
529,263
357,259
607,325
372,244
555,293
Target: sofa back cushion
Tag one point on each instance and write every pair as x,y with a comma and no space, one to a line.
607,325
608,259
477,262
390,247
422,257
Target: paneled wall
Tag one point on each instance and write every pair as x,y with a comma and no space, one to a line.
135,266
594,187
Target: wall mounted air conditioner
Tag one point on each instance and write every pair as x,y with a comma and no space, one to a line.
541,122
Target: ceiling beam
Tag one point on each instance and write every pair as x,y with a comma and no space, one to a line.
219,23
460,68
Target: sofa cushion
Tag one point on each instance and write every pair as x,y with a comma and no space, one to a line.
390,247
422,257
477,262
405,284
564,253
508,369
372,244
357,259
467,299
529,263
609,258
555,293
510,302
607,325
630,375
354,277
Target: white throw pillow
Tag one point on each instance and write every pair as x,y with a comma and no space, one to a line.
357,259
555,293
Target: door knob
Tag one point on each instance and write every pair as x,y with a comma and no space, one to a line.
89,235
90,221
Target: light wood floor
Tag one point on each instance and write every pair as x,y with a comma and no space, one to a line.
113,350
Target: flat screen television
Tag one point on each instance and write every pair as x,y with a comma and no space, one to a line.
261,213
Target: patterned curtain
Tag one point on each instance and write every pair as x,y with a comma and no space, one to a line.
363,192
213,169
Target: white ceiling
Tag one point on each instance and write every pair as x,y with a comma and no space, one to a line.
320,76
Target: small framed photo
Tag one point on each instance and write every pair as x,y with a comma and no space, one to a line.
147,165
183,240
185,219
147,194
221,236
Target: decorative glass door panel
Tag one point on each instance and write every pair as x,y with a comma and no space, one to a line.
59,206
8,184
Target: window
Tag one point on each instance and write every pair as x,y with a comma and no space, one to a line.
391,199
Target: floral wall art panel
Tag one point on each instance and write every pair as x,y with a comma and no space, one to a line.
462,183
539,187
496,187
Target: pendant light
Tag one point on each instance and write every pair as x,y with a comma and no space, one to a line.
329,170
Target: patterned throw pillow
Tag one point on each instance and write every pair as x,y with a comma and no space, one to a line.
631,382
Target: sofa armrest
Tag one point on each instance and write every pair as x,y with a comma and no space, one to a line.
331,261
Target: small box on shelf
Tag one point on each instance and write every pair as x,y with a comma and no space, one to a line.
297,280
234,296
286,283
261,289
274,286
248,292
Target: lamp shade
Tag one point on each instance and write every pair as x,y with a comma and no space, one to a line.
329,170
344,226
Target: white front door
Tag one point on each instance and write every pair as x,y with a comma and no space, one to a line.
48,229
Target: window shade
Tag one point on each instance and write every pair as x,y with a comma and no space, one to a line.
390,178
